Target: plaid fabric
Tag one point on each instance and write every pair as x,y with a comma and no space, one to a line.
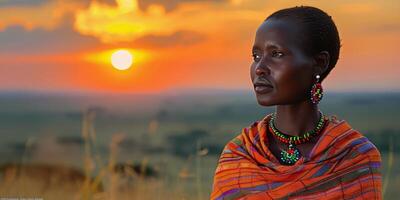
342,165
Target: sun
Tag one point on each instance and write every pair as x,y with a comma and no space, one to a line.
121,59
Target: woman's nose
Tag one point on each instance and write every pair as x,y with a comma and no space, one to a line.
260,71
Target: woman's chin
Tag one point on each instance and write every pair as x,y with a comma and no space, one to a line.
264,101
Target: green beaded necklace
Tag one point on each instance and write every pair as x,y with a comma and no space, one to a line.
292,155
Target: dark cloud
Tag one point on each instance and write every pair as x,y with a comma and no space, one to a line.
179,38
170,5
18,40
15,39
109,2
7,3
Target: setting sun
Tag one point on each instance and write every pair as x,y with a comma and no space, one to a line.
121,59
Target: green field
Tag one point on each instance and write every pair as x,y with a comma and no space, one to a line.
170,142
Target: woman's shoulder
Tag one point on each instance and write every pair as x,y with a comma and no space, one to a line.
352,138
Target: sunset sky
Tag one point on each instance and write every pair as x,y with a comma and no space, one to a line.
66,45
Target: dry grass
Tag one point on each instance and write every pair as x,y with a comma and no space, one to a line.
98,178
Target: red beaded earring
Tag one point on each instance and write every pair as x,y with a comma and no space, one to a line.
316,91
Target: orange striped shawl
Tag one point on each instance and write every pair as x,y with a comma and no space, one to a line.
342,165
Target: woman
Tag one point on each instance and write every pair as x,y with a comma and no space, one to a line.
297,152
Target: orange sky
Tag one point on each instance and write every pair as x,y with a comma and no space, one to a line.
62,45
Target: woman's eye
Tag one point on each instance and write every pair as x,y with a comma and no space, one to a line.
256,57
277,54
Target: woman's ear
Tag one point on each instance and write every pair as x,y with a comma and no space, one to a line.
322,62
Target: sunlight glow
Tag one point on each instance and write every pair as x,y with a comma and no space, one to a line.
121,59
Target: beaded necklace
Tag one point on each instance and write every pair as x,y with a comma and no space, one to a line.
292,154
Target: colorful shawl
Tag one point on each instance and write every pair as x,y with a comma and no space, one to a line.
343,164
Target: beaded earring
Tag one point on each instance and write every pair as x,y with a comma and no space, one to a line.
316,91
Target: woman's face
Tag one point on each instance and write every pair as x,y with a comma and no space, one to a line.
281,71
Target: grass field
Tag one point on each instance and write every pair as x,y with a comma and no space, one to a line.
78,146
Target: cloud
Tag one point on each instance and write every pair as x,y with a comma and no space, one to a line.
127,22
7,3
179,38
115,21
63,39
32,3
170,5
45,14
18,40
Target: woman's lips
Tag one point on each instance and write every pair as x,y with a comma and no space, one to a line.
262,89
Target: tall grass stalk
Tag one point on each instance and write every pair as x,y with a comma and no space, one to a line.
87,160
20,168
113,177
198,171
